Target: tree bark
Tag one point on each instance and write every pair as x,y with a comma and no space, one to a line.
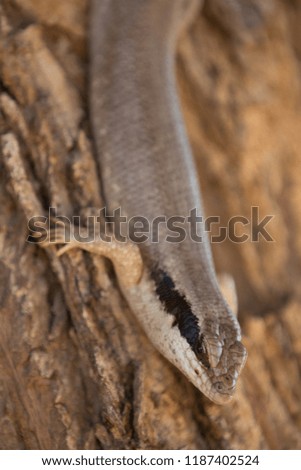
76,371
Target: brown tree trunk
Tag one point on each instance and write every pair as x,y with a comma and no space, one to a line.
76,371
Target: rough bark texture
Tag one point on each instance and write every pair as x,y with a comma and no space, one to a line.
76,371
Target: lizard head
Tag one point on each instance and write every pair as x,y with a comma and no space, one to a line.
214,364
205,347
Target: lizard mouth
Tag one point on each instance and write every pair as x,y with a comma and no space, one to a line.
221,398
220,391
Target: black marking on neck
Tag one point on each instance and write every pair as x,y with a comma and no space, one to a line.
176,304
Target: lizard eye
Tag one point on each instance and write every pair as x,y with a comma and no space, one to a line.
201,352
